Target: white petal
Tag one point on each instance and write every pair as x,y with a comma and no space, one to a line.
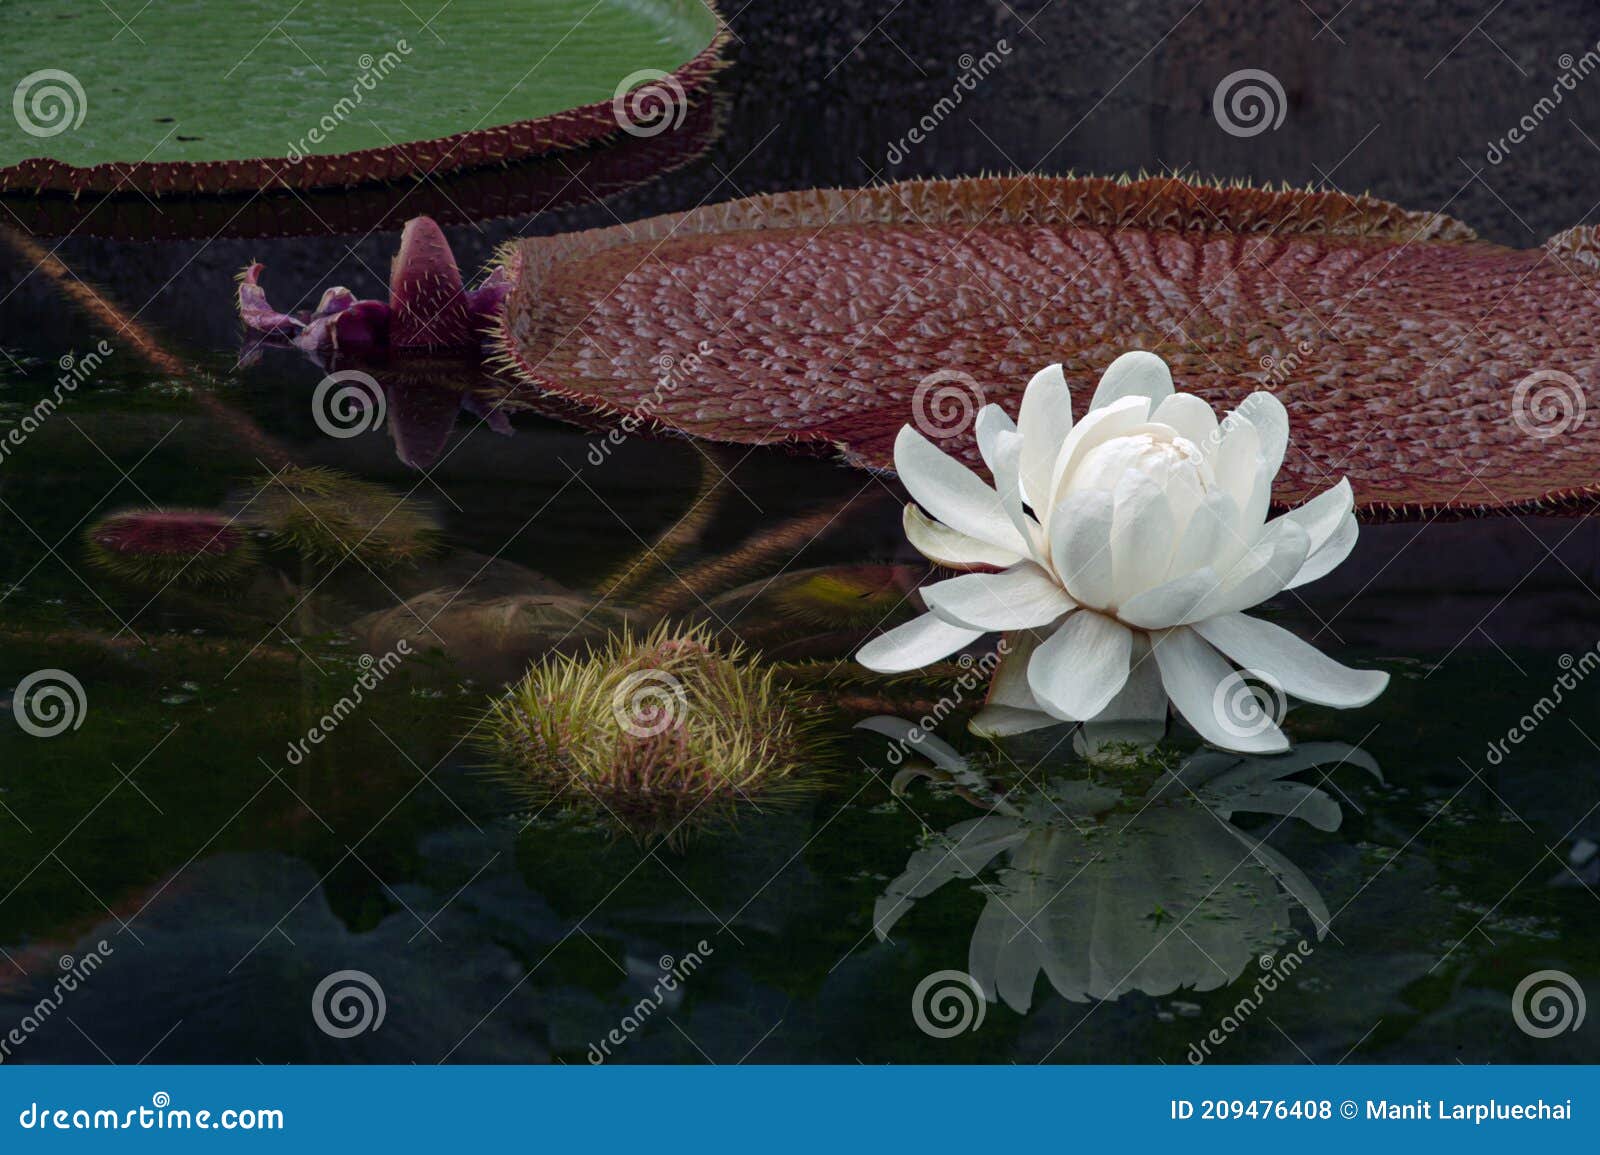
1044,421
1238,458
991,424
1327,559
1134,374
1191,417
1248,458
1142,534
1004,721
946,547
1211,539
1194,676
1262,573
1006,467
914,645
1020,598
1080,546
1271,421
1096,427
953,493
1172,601
913,737
1082,666
1301,669
1141,698
1009,685
1325,513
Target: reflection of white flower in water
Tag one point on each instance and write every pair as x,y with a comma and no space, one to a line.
1126,544
1108,892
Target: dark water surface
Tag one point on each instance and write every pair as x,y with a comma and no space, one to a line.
229,878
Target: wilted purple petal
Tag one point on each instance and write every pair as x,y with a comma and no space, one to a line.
335,300
485,302
256,313
364,325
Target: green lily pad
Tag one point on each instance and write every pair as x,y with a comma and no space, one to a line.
218,95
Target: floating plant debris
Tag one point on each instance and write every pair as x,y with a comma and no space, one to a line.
651,734
372,111
826,318
160,547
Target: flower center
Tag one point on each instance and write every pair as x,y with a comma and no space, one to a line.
1173,462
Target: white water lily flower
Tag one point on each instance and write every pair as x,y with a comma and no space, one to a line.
1117,554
